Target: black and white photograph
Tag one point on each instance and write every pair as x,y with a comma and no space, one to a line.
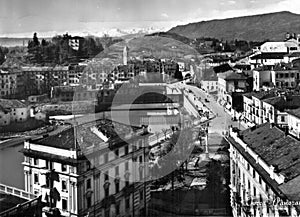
149,108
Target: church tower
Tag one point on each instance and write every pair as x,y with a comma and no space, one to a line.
125,55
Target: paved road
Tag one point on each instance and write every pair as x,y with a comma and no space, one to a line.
222,119
217,125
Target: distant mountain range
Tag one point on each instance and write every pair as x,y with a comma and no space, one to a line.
19,40
272,26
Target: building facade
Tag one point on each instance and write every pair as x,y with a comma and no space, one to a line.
7,84
13,111
261,167
95,172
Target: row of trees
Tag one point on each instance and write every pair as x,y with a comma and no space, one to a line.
3,52
58,50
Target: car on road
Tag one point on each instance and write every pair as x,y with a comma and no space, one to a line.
206,100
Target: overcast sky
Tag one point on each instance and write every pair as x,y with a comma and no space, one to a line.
27,16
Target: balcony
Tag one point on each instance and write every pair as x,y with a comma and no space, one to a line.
107,201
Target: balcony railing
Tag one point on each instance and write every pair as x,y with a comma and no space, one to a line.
17,192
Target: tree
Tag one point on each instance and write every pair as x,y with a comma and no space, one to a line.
35,40
178,74
2,56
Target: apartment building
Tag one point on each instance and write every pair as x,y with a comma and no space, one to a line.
274,110
232,81
40,80
7,83
209,80
13,111
253,105
91,169
294,122
280,76
264,175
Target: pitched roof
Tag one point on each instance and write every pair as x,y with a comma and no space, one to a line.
261,95
295,112
209,75
275,148
232,75
91,134
6,104
268,56
222,68
284,102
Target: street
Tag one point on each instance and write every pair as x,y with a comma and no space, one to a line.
220,123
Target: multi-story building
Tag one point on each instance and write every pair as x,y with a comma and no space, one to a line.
232,81
253,105
274,110
294,122
264,174
280,76
271,53
209,80
96,169
7,84
13,111
40,80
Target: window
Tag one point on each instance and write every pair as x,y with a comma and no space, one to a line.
117,153
36,178
118,208
106,177
105,157
141,174
88,184
64,202
126,181
126,149
117,170
267,188
248,166
88,165
106,191
63,167
282,118
141,159
127,203
35,161
89,202
126,165
253,174
259,180
141,195
64,185
254,191
117,186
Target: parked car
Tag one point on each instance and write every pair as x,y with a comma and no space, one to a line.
206,100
